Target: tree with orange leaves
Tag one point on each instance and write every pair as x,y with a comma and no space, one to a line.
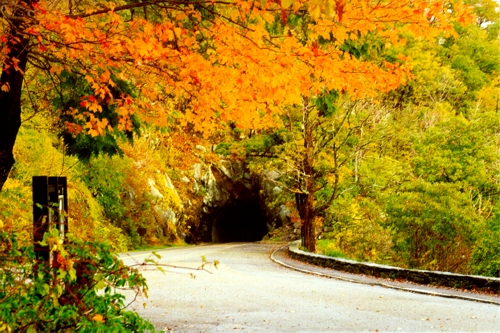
323,140
332,58
101,66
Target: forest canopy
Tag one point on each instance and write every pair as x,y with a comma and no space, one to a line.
380,116
378,119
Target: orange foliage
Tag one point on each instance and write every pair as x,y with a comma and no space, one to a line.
226,66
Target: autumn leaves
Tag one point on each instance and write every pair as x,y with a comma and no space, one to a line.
199,64
235,61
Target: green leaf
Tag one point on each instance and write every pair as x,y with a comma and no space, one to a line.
61,273
100,285
46,288
54,232
72,274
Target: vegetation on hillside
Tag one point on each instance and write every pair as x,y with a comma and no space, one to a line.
380,116
407,178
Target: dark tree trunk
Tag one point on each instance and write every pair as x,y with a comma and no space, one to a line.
308,232
307,208
10,101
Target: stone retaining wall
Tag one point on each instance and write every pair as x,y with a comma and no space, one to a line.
434,278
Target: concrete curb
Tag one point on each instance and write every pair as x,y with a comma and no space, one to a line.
306,257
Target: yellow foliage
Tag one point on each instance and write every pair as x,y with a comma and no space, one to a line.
363,238
489,97
36,156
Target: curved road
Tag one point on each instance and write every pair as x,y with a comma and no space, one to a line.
249,292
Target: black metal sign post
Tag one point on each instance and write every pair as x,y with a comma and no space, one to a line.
50,208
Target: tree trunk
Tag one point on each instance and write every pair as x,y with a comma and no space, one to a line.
308,232
10,101
307,210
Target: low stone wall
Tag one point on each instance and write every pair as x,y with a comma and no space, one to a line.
434,278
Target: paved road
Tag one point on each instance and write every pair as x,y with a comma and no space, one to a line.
251,293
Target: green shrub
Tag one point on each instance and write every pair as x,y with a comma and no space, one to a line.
357,230
486,256
329,248
485,259
77,294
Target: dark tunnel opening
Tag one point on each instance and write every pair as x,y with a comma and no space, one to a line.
242,221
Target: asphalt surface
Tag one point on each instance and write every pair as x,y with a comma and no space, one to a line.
250,292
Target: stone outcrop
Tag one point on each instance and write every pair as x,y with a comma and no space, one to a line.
222,185
277,214
215,201
167,206
228,187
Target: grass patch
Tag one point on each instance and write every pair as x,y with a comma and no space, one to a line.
329,248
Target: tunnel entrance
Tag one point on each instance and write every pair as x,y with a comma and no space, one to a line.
241,221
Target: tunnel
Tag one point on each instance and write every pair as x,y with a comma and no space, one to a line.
241,221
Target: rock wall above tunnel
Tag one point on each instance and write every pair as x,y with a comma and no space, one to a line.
237,206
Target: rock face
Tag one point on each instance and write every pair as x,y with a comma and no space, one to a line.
228,203
231,209
277,215
236,205
167,206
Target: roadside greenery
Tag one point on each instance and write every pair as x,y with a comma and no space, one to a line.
80,292
384,130
390,167
410,177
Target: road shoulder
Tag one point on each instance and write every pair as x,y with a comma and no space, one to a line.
281,257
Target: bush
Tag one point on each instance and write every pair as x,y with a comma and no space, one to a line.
436,226
78,293
485,259
36,155
486,256
329,248
357,231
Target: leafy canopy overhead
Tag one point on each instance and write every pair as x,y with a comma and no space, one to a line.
203,62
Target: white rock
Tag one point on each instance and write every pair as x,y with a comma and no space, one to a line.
197,171
153,190
277,190
168,182
272,174
166,214
225,171
284,215
201,148
215,196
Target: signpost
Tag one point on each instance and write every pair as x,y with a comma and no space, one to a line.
50,208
